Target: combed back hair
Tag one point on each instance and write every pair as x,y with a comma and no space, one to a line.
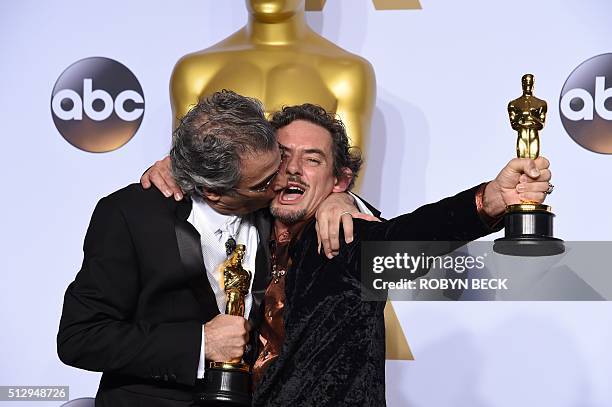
345,155
211,138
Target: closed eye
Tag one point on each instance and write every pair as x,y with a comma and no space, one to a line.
313,161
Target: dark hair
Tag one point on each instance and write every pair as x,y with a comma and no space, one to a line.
212,136
345,155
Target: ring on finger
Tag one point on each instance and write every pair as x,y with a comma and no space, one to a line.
550,189
346,213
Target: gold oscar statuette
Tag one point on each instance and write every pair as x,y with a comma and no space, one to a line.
528,225
229,383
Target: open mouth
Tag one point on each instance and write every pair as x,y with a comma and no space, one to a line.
292,194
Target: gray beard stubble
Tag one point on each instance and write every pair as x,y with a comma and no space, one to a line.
288,217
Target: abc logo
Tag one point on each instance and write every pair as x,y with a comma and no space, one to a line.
97,104
586,104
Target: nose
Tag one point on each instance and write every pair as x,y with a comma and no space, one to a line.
293,164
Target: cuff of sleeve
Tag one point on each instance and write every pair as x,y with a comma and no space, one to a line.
201,363
363,208
494,223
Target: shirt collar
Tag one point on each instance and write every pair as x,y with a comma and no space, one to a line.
213,220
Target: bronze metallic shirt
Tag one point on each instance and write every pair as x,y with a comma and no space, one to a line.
272,334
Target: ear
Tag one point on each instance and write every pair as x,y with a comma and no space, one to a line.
212,196
342,182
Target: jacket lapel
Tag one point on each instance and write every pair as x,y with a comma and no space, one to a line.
190,250
263,222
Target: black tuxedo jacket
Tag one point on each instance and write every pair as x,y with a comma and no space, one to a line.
136,308
334,349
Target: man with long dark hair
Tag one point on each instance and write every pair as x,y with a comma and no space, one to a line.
321,344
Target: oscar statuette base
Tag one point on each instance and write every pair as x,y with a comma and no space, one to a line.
529,232
226,384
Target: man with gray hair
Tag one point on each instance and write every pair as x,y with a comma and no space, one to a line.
146,308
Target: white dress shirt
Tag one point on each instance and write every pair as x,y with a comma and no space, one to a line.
214,229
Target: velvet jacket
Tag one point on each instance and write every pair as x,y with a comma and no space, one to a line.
334,349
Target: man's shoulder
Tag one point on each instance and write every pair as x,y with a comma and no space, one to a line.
135,197
136,193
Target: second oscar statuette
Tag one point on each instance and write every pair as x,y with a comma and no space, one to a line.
228,383
528,225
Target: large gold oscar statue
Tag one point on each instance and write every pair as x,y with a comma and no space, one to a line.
277,58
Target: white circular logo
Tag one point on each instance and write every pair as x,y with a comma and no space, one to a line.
97,104
585,105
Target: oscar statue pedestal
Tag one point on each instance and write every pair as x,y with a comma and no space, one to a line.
529,232
225,384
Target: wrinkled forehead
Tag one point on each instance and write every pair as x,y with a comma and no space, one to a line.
304,135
